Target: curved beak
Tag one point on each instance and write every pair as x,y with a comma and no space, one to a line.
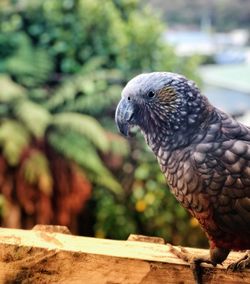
125,116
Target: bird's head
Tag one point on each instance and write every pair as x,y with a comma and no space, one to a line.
161,104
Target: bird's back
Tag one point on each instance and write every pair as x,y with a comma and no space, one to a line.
211,178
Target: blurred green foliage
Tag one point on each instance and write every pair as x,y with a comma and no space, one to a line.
63,66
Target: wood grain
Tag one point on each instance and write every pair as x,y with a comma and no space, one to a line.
40,256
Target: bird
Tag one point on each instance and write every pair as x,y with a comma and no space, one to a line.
204,154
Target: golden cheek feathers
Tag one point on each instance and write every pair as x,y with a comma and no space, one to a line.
167,95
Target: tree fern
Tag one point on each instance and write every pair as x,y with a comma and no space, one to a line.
35,117
36,171
31,66
10,90
87,92
14,138
96,103
93,64
75,147
85,125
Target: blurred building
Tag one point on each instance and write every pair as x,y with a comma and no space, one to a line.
228,88
226,82
225,47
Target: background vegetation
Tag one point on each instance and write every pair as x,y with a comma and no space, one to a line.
63,65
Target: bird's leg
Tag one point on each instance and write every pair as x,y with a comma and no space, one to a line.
241,263
194,261
217,256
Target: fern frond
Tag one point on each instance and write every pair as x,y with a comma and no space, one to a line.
92,65
75,147
35,117
10,90
36,171
70,89
64,93
85,125
14,138
89,92
95,103
30,65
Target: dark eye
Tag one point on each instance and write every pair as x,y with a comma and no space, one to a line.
151,94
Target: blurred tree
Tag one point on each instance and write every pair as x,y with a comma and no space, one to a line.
49,159
63,66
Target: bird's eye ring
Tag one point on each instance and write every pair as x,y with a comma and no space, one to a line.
151,94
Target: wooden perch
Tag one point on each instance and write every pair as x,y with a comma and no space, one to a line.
47,255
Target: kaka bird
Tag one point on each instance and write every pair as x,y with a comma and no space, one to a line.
204,154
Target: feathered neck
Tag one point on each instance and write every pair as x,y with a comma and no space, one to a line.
170,137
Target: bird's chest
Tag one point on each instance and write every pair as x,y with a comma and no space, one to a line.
187,186
182,180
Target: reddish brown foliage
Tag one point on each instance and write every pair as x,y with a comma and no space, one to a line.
34,203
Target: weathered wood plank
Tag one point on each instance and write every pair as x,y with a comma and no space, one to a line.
47,257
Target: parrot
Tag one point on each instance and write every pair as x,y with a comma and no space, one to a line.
204,154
